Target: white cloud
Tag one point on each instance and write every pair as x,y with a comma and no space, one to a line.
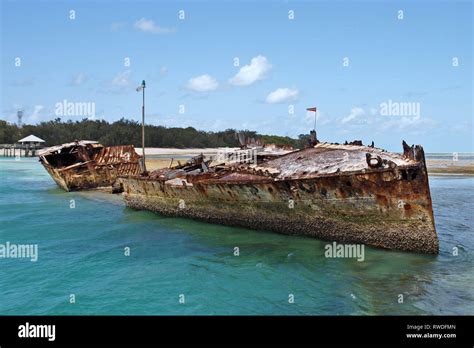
32,115
122,79
282,95
355,113
36,115
148,26
371,121
415,124
202,83
79,79
257,70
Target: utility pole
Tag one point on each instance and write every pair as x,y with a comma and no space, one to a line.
142,88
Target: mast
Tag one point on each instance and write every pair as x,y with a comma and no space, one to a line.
142,163
313,135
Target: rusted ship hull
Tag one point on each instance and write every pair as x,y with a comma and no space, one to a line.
388,207
89,165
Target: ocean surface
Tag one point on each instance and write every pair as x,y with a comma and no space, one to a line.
81,252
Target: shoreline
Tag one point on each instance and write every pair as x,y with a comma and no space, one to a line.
161,158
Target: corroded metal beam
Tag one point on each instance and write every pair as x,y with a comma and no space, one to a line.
329,191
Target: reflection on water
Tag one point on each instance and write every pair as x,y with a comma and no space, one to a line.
81,251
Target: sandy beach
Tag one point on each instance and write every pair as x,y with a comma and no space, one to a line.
158,151
447,167
164,157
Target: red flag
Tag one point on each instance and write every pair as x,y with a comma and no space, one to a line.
311,109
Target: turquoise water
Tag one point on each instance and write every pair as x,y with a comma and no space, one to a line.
81,252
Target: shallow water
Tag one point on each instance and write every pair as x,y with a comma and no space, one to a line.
81,252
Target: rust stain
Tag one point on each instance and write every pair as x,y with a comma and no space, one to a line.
86,165
343,192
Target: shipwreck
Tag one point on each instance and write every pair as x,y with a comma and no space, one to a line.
348,193
86,164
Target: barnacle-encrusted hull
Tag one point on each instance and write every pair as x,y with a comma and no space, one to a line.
345,193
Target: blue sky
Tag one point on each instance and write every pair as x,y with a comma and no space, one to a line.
347,58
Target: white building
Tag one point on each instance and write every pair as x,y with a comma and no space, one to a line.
32,142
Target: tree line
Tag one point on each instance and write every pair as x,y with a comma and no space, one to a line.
128,132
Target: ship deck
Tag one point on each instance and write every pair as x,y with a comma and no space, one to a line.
322,160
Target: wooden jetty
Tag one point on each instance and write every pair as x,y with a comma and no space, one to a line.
26,147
